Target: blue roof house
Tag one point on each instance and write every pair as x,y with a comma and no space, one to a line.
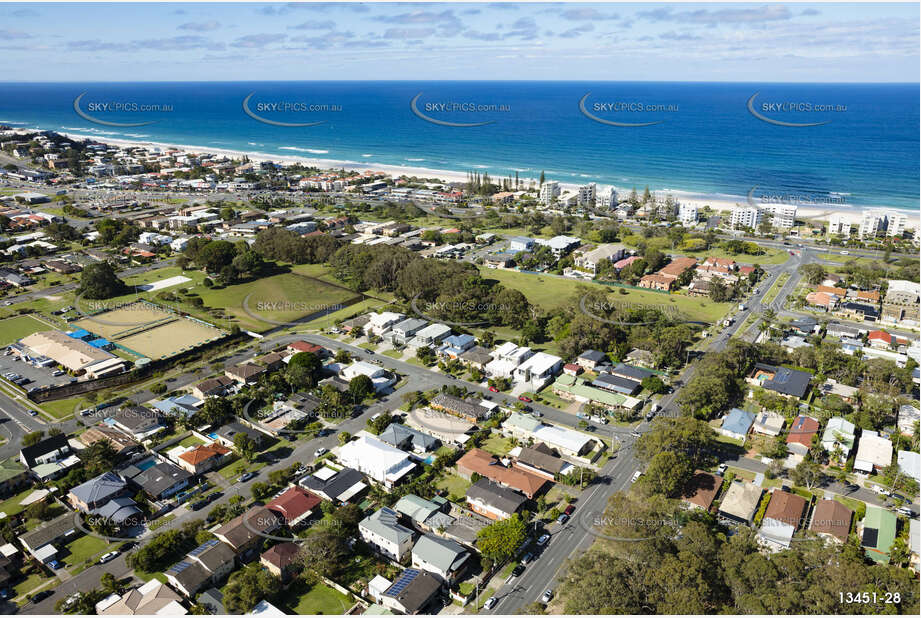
737,423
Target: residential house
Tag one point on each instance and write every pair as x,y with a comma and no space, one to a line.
740,503
203,458
493,501
376,459
478,461
13,477
445,558
909,415
213,387
137,421
415,591
567,442
106,497
781,380
590,359
243,537
737,423
207,564
768,423
245,373
470,411
41,542
831,520
839,434
877,533
226,434
802,431
910,464
408,439
294,506
281,560
540,460
337,486
159,479
154,598
874,452
383,531
49,458
702,490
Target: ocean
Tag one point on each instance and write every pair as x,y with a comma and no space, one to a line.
842,145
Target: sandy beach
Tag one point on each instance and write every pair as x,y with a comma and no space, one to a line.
715,201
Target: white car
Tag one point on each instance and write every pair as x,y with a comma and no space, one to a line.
636,475
490,603
547,596
112,555
320,452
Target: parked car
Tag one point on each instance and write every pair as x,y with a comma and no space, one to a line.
33,413
38,597
245,477
547,596
904,510
525,399
527,558
320,452
543,540
518,570
112,555
721,470
537,414
490,603
494,389
636,475
198,505
562,519
570,509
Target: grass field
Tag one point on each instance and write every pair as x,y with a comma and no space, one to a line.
771,257
13,329
552,292
275,300
321,599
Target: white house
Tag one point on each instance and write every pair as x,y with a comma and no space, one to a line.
382,531
380,377
538,370
376,459
873,452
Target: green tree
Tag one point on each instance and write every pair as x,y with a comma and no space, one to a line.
498,541
247,586
99,282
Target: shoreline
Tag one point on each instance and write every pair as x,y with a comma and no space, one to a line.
715,201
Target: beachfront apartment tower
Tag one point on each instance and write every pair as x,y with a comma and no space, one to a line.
871,223
749,217
606,197
783,216
548,191
587,194
838,225
687,215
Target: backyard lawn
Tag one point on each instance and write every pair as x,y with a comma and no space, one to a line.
320,599
453,484
84,548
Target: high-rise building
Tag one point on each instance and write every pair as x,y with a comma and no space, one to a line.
783,216
548,191
606,197
746,216
587,194
687,214
838,225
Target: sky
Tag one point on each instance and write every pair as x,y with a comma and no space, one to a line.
734,42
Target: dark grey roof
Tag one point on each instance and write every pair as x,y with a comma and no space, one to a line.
399,435
616,383
631,373
866,310
476,354
541,460
413,589
159,478
49,532
458,405
231,429
593,355
213,600
100,489
137,418
493,494
786,381
189,574
335,485
213,554
46,446
118,510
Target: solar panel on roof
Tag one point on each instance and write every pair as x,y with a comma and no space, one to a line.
179,567
203,547
404,580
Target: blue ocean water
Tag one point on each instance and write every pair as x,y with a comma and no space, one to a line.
704,140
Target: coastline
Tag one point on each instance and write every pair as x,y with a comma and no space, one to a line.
715,201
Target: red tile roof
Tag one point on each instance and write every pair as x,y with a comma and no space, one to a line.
294,503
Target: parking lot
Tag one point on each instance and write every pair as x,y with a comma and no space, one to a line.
37,376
